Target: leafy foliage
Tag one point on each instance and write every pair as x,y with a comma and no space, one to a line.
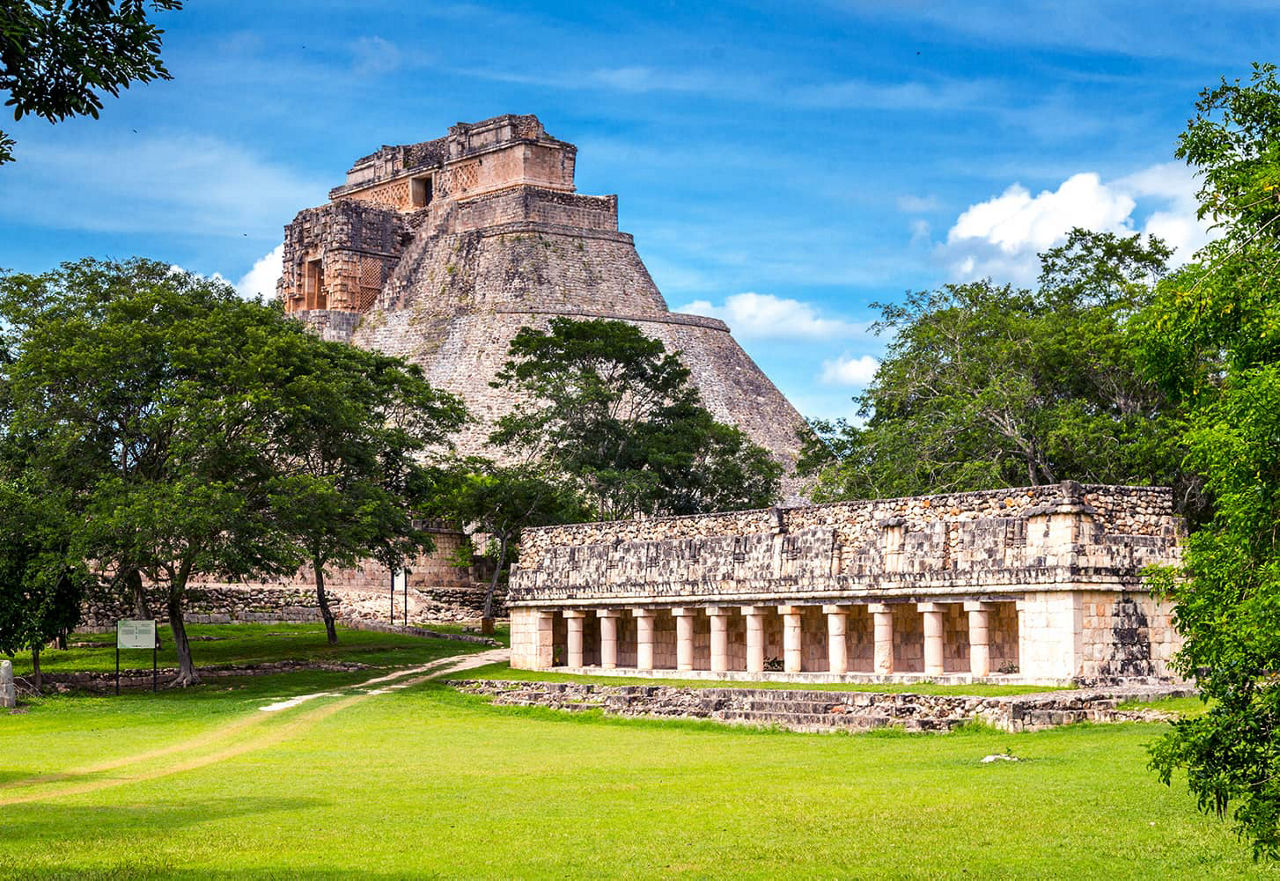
614,414
987,385
41,582
57,56
145,393
1212,337
351,426
502,501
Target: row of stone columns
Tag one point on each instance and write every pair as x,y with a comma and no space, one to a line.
792,637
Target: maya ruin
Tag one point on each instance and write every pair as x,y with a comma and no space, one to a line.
1039,585
441,251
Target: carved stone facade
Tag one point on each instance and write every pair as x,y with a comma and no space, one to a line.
439,252
1040,584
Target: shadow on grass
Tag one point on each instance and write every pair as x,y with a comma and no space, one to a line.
31,821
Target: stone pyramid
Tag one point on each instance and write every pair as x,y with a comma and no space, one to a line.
440,251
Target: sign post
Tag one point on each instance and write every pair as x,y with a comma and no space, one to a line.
137,635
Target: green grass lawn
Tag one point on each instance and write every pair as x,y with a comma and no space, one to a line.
1183,706
215,644
426,782
505,671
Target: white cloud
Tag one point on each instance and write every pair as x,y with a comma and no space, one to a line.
1174,184
168,184
765,316
261,279
850,370
948,95
910,204
1001,236
374,56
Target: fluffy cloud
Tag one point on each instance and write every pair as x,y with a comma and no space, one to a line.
261,279
849,370
1001,237
171,184
764,316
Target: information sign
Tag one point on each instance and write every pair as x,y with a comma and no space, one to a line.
136,634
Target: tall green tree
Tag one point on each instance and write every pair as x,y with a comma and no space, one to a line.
986,385
42,582
615,414
352,428
1212,337
501,502
149,396
57,57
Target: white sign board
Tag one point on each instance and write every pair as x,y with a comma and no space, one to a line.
135,634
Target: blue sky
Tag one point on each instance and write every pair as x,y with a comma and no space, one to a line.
781,166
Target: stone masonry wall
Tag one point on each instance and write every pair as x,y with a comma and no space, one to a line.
825,711
1126,635
1010,539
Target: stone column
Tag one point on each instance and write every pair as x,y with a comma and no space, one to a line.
644,638
792,647
719,638
932,612
837,648
8,693
545,641
608,638
1020,609
573,620
882,613
755,638
684,637
979,638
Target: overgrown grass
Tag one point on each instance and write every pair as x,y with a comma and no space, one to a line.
505,671
428,782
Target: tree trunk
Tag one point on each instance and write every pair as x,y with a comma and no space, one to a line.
141,607
186,669
35,668
325,612
486,620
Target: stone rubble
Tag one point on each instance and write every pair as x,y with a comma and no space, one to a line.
828,711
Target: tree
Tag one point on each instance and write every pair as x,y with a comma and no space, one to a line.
502,501
41,582
615,413
987,385
57,56
1212,337
147,394
351,424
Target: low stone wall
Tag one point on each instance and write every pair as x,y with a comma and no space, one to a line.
828,711
274,604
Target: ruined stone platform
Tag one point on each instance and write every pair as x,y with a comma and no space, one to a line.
812,711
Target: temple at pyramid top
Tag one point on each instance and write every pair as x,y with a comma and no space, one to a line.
482,174
472,160
440,251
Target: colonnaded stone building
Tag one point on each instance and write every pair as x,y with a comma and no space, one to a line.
1040,584
439,252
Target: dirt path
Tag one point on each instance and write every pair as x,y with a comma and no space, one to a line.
225,742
